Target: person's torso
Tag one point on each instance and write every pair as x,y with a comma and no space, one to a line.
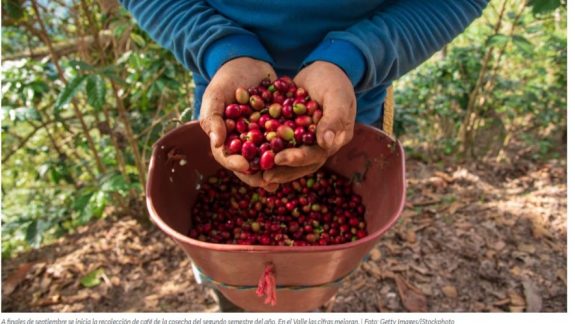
291,34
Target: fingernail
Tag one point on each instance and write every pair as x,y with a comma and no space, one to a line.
328,138
213,138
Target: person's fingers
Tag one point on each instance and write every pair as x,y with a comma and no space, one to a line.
335,128
256,180
338,102
283,174
301,156
271,187
233,162
217,130
211,119
252,180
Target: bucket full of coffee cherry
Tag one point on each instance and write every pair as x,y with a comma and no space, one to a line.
281,251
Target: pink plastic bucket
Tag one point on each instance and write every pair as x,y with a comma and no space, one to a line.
304,275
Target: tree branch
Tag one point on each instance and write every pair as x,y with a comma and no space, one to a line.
60,49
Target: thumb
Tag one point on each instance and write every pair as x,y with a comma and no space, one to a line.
211,120
335,128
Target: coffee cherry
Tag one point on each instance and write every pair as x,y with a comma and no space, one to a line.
267,160
242,96
232,111
249,150
285,132
256,102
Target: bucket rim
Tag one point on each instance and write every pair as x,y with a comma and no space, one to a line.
157,220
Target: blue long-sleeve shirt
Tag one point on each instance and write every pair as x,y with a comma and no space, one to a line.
373,41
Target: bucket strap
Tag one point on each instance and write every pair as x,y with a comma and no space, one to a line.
212,282
388,110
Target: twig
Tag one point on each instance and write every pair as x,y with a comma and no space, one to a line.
149,133
60,49
426,203
25,140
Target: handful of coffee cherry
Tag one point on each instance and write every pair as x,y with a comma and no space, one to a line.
269,118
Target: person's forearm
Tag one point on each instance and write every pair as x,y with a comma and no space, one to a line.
396,39
200,38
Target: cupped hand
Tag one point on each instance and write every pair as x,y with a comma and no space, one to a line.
332,89
240,72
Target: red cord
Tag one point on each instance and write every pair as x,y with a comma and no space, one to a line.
267,285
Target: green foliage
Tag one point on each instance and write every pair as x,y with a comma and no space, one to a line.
96,91
521,98
69,91
51,181
545,6
13,8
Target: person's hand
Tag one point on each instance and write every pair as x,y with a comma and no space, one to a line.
240,72
331,88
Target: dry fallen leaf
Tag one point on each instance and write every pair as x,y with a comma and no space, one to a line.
410,236
502,302
464,225
329,305
490,254
562,274
392,248
408,213
152,301
50,300
516,271
360,284
444,176
78,297
453,208
527,248
372,268
449,291
477,307
399,268
412,300
55,270
45,283
427,202
538,230
516,299
15,278
421,270
375,254
534,302
437,182
499,245
115,281
516,309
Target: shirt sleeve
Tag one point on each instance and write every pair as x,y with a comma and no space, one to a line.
199,37
396,39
